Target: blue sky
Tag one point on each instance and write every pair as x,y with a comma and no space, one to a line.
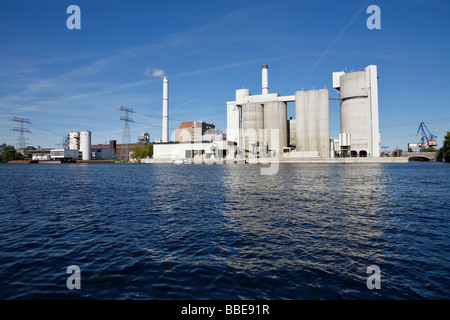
68,80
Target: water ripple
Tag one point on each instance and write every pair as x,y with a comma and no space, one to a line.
225,232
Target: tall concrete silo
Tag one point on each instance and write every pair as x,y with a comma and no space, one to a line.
85,145
252,123
354,110
313,122
275,126
359,110
323,110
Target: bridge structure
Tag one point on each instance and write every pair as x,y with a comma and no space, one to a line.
420,156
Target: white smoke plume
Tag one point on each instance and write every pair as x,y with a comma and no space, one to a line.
154,72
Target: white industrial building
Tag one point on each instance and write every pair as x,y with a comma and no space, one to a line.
63,154
81,141
257,125
196,150
359,110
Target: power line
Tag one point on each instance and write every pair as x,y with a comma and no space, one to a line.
153,125
155,116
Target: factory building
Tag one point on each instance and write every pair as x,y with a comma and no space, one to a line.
359,111
258,124
193,140
81,141
189,130
113,149
105,151
191,150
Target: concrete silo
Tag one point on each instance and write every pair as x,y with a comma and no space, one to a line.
359,110
85,145
313,122
252,124
323,110
275,126
354,111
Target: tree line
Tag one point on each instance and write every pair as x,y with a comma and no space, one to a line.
443,154
8,153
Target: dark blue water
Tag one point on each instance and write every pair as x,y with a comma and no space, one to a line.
225,231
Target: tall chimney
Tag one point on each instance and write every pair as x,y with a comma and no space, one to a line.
265,79
165,120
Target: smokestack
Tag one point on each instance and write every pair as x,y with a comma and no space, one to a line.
265,79
165,121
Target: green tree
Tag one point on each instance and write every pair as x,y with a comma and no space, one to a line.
430,149
9,153
443,153
140,152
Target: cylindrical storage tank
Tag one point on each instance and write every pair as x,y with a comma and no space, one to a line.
252,124
313,122
240,94
355,109
300,121
85,145
74,140
306,121
275,126
323,117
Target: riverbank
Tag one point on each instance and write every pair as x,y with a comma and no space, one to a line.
279,160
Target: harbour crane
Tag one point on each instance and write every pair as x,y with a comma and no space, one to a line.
426,140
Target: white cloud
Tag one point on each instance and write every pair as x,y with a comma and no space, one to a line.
153,72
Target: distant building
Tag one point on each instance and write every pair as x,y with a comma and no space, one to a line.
112,150
64,154
193,130
81,141
413,147
42,154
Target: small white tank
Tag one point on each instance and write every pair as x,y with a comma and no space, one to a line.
85,145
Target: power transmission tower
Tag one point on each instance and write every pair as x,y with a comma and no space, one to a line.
21,140
125,149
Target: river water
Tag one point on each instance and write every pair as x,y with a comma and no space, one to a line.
225,231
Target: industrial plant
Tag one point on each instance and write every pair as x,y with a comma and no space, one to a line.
258,126
77,146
